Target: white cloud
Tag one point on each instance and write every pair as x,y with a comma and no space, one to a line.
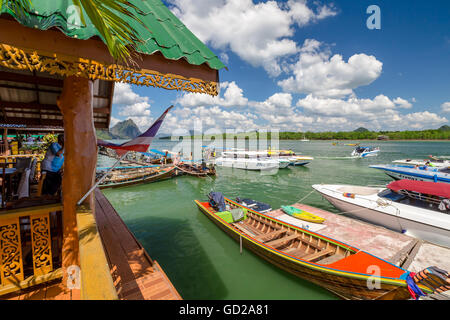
420,120
278,112
258,33
208,118
445,107
317,72
233,110
351,107
113,121
132,106
124,94
231,95
379,113
402,103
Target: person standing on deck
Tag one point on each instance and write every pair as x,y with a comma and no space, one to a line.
52,165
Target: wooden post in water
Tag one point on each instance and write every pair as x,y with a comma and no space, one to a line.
240,244
80,157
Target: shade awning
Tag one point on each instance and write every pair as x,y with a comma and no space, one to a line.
430,188
170,55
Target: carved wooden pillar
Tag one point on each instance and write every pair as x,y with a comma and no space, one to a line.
80,159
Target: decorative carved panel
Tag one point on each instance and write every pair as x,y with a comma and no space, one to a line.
11,266
27,59
41,240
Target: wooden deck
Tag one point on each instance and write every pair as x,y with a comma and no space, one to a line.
135,275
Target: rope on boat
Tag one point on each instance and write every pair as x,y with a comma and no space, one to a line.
306,196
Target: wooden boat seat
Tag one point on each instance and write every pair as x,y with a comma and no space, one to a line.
311,244
243,228
278,242
270,235
299,253
253,229
317,255
255,217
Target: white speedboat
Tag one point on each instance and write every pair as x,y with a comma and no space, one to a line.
299,160
433,162
363,152
291,156
417,208
250,160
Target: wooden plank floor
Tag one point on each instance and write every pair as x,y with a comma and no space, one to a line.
135,275
52,290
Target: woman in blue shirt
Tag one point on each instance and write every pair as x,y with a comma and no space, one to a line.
52,165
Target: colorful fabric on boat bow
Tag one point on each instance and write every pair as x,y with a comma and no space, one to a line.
413,289
349,195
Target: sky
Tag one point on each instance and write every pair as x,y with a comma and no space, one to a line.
307,65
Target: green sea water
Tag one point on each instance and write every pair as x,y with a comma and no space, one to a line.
201,260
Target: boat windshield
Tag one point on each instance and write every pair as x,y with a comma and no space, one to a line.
418,200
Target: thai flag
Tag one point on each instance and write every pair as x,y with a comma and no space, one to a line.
140,143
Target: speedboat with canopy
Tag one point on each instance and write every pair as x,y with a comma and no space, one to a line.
420,209
363,152
420,173
431,162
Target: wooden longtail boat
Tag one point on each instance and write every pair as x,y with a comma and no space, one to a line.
196,171
128,179
344,270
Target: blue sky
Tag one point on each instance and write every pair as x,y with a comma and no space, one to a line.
310,65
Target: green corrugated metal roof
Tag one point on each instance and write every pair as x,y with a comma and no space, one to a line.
164,32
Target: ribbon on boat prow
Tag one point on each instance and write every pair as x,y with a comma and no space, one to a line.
433,278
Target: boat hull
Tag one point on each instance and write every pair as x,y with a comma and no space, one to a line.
416,162
159,177
392,220
365,154
248,165
344,287
414,174
299,163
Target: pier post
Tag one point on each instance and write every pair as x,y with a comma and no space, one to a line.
80,157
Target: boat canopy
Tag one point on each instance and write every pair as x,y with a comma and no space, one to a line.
431,188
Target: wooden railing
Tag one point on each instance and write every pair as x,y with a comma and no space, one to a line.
30,247
96,280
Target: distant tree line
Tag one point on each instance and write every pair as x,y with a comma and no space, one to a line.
368,135
442,133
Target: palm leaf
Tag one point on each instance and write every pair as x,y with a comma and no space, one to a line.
19,7
108,18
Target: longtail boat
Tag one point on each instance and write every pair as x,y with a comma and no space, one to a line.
123,178
196,170
344,270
